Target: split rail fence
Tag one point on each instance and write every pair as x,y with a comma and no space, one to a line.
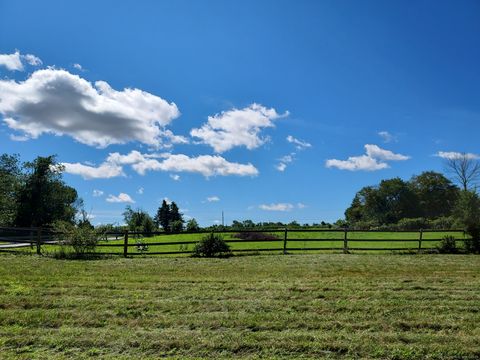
285,241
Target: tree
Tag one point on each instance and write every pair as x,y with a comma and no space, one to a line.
162,218
192,225
138,220
467,213
43,197
465,169
11,178
437,195
386,203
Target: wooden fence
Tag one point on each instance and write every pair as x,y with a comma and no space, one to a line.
14,239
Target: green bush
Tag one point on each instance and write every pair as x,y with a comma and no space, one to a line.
212,245
412,224
80,239
448,245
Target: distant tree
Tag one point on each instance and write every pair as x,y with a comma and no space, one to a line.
174,214
176,226
467,213
162,218
465,169
138,220
11,179
192,225
437,195
44,198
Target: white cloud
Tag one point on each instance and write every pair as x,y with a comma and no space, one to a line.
207,165
213,198
375,159
376,152
78,66
276,207
58,102
104,171
237,127
121,198
13,62
283,161
299,144
140,190
19,138
451,155
97,193
386,136
32,60
175,177
301,206
167,200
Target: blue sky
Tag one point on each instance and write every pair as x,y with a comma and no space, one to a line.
268,110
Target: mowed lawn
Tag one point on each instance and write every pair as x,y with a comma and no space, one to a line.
275,306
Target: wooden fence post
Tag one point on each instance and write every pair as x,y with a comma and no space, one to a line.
39,239
285,242
125,244
345,241
420,240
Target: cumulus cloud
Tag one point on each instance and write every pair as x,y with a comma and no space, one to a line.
277,207
121,198
58,102
104,171
299,144
140,190
78,66
206,165
97,193
237,127
175,177
213,198
14,62
452,155
375,159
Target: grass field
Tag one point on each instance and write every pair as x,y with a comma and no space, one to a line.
295,306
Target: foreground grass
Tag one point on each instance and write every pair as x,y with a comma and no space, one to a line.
296,306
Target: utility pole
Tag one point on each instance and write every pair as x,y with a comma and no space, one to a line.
223,219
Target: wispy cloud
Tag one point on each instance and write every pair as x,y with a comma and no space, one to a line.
213,198
386,136
97,193
299,144
15,61
451,155
281,206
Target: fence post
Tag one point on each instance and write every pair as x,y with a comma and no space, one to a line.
285,242
345,241
420,240
39,239
125,244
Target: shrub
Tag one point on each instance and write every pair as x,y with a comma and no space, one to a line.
447,245
467,213
81,239
251,235
412,224
443,222
212,245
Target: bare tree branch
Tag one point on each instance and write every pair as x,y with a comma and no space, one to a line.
464,169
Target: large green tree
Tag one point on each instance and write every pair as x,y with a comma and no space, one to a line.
138,220
437,195
44,198
11,179
162,218
386,203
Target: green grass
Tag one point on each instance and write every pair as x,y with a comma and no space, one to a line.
303,240
295,306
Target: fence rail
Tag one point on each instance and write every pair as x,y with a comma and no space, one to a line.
12,239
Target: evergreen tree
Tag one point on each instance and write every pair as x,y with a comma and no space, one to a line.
162,218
